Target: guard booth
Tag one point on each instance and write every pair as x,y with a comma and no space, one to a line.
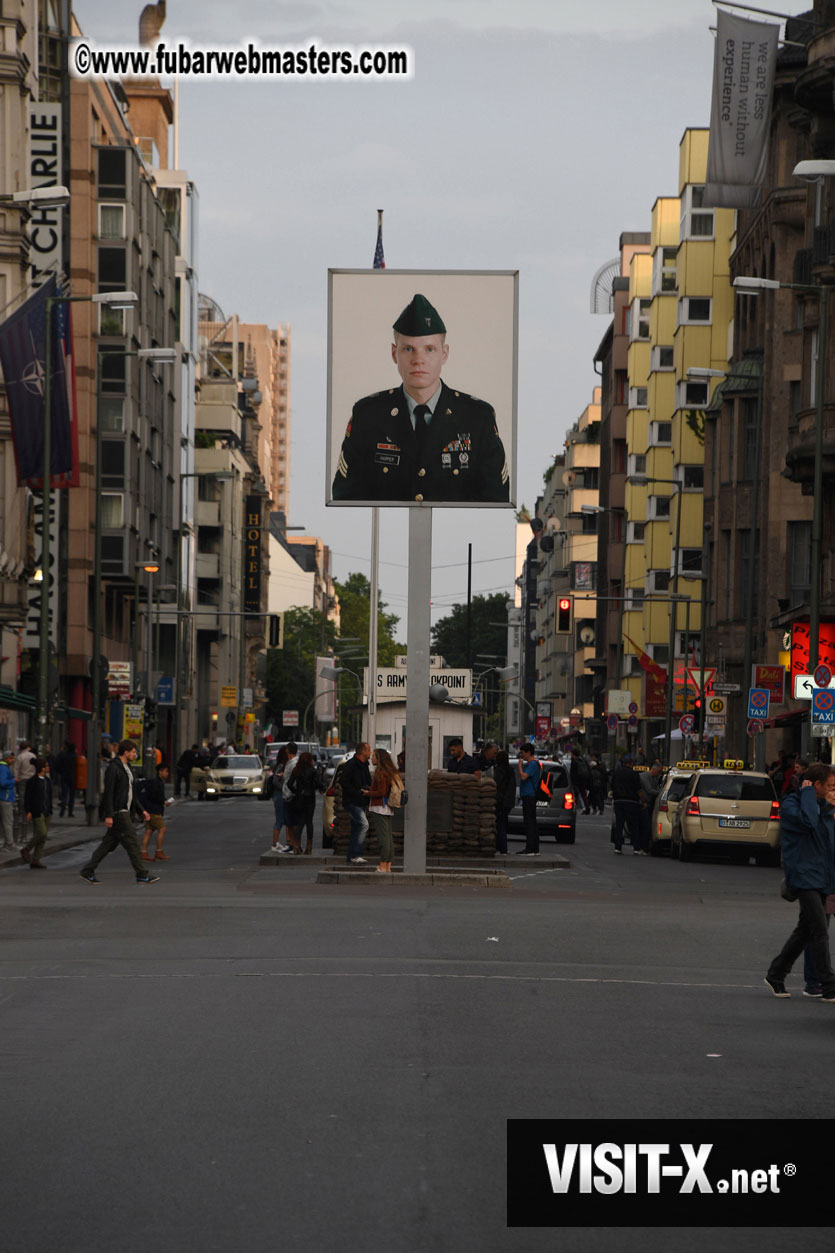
448,719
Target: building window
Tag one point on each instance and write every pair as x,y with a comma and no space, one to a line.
619,456
664,270
589,524
111,221
112,511
112,372
750,424
634,597
696,221
799,549
662,358
694,310
112,269
638,323
692,395
658,507
692,478
112,553
635,532
690,561
112,173
658,581
113,463
112,413
111,321
659,653
637,463
637,398
746,556
660,433
795,400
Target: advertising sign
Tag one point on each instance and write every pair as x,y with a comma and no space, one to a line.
619,701
543,726
773,678
252,554
120,679
800,646
229,697
133,726
422,378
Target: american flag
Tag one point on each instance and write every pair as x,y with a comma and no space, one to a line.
379,259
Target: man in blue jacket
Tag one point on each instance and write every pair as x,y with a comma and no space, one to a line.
807,840
7,800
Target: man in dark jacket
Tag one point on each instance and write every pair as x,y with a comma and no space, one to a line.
65,764
37,807
120,806
807,840
154,800
629,808
355,779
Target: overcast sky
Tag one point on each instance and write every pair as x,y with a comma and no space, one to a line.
531,135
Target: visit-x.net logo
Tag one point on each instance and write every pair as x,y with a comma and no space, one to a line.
621,1173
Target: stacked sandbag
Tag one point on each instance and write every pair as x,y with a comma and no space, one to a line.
461,819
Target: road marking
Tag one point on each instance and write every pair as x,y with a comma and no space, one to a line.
353,974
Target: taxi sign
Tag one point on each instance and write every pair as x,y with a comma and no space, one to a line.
733,763
758,698
691,765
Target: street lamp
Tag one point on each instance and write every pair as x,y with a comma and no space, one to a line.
748,284
151,568
334,672
641,480
44,197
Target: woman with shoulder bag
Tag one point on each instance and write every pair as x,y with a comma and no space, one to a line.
386,779
300,802
277,796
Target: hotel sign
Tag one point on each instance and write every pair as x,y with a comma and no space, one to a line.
252,555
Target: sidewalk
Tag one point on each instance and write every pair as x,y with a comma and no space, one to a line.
64,833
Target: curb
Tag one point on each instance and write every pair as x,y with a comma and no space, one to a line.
443,878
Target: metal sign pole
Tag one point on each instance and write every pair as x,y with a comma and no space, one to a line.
417,691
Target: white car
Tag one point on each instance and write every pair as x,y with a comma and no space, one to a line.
241,775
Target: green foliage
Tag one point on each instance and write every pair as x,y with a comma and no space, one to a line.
489,635
354,616
290,670
695,419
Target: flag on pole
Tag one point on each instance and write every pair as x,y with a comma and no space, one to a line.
22,359
646,662
379,259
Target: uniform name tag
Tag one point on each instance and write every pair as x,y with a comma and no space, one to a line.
387,459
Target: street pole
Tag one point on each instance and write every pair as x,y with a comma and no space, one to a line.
673,616
91,796
817,507
753,556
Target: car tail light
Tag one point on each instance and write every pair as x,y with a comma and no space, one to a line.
774,816
662,805
331,791
568,800
693,810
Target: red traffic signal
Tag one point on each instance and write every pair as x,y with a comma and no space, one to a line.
563,615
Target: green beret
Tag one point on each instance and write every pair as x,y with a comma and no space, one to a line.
420,318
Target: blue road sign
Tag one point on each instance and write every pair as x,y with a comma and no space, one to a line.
823,705
758,698
165,691
612,722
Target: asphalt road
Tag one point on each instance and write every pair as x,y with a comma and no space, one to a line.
237,1058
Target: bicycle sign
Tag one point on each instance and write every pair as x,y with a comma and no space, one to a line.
758,698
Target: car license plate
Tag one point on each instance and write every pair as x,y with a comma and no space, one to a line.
734,822
542,804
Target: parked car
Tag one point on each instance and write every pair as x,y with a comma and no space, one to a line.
556,816
733,811
242,775
304,746
676,786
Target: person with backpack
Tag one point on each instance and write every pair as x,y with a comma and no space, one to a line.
300,787
383,799
530,776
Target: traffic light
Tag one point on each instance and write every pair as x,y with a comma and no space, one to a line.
277,630
564,615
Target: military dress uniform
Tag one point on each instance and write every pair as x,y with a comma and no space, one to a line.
459,458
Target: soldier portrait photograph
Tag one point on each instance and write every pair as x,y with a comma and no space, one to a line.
428,436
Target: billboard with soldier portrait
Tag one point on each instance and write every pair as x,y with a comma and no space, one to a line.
422,374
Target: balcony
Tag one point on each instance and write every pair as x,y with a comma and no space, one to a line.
208,513
800,456
217,409
208,566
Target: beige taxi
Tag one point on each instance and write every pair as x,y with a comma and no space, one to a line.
676,785
731,811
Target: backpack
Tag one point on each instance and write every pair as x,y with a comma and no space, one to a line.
398,796
544,790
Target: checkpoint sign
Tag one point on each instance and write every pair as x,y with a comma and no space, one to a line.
823,706
758,702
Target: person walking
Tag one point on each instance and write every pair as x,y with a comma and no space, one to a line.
7,800
300,786
599,784
530,774
65,779
154,800
386,779
24,767
37,808
807,841
120,805
629,809
355,778
505,780
185,765
580,779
